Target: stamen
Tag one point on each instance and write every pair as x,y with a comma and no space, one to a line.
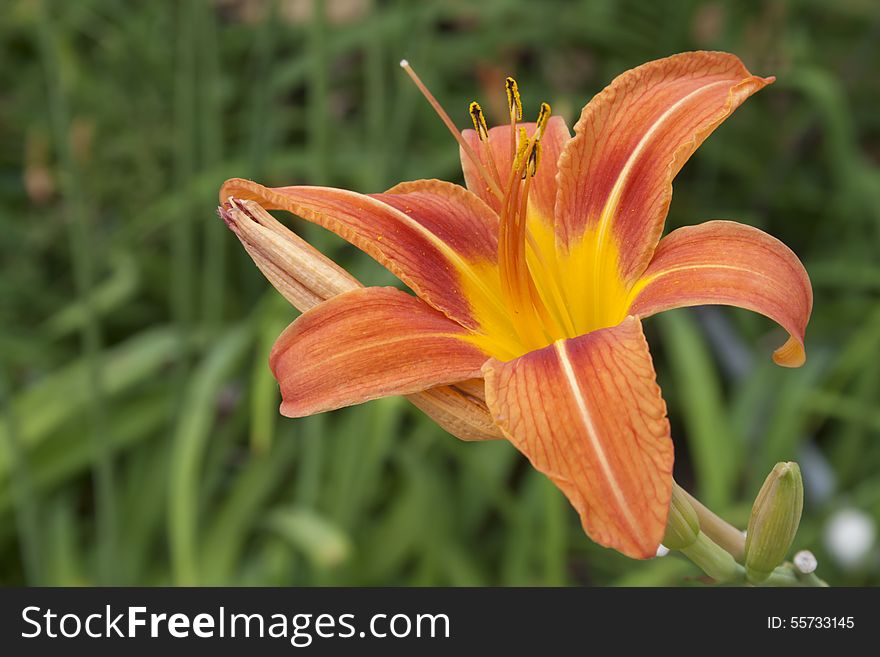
534,159
524,144
492,185
482,131
514,105
543,117
479,121
514,102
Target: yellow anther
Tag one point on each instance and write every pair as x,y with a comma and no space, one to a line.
521,149
543,117
479,121
514,102
534,158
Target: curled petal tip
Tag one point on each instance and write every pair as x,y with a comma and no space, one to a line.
791,354
224,215
723,262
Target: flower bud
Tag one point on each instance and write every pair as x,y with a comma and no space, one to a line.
774,520
682,524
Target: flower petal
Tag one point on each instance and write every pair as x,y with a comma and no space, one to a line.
365,344
436,237
542,196
303,275
587,412
460,409
306,277
724,262
615,175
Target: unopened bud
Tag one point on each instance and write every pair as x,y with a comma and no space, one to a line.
774,522
682,524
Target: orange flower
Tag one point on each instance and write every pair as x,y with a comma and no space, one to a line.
531,284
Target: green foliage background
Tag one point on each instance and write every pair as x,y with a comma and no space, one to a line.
140,441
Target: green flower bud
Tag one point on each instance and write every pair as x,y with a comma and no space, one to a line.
774,522
682,524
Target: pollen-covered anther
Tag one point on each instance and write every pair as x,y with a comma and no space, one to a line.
543,117
479,120
514,102
522,149
534,159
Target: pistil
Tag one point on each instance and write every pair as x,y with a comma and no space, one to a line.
492,185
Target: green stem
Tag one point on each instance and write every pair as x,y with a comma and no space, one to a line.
719,546
713,560
719,530
718,564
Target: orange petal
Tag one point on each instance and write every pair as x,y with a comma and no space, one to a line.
368,343
542,195
615,175
436,237
724,262
305,277
587,412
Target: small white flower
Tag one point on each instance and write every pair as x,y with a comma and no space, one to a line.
849,536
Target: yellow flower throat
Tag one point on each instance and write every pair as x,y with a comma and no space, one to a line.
539,291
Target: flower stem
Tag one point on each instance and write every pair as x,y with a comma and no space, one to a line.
719,530
719,551
718,564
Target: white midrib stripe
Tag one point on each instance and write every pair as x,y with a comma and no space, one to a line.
643,283
614,196
593,436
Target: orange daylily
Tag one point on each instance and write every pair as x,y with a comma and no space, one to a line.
531,284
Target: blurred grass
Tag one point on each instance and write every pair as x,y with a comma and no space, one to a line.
140,442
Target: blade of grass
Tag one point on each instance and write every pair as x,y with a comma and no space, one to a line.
554,537
198,408
24,497
855,440
182,248
319,91
375,115
788,425
274,316
242,509
323,543
82,255
120,286
310,470
63,457
715,450
65,558
65,394
210,119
